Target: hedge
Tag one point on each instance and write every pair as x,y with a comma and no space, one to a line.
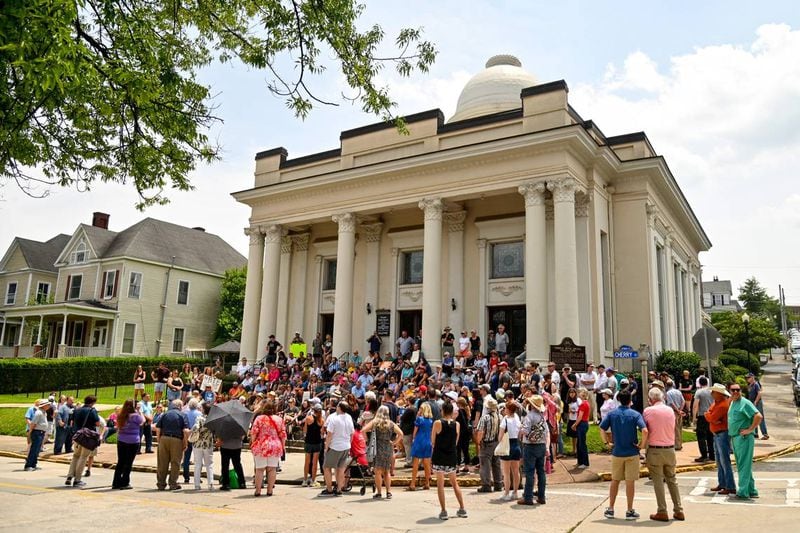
674,363
25,375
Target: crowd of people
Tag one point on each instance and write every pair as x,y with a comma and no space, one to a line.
399,410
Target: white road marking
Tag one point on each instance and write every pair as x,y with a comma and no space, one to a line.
793,497
784,460
701,488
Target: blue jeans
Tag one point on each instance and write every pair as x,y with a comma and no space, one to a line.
722,452
63,440
37,437
186,456
763,425
583,449
533,461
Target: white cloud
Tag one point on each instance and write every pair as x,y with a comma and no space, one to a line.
726,119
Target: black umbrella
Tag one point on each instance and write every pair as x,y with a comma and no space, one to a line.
229,420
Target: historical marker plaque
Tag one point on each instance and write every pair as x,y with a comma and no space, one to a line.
383,322
570,354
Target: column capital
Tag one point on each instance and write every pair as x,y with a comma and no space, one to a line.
582,205
300,241
346,222
481,244
563,189
652,213
372,231
395,252
255,234
318,259
273,233
533,191
432,208
286,244
455,220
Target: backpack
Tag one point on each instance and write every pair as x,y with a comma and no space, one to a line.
537,431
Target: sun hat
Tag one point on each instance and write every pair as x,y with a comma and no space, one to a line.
607,391
452,395
720,388
657,383
536,402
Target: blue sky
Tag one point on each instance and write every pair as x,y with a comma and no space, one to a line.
715,85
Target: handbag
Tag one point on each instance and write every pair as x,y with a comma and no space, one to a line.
372,447
87,438
504,446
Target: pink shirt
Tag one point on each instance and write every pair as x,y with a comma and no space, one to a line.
660,420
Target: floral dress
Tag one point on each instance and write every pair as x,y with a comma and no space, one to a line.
268,436
204,436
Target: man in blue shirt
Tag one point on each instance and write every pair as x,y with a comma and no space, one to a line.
624,424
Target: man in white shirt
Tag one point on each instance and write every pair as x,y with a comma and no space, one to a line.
339,429
242,368
555,377
588,380
600,383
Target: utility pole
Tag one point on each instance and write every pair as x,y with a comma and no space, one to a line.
784,325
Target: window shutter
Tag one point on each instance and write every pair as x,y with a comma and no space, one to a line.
116,283
66,294
103,286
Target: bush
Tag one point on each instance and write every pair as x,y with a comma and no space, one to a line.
738,370
734,356
674,363
736,352
728,360
723,374
27,375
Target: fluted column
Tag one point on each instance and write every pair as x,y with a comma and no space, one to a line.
483,276
538,345
432,279
283,291
252,293
670,343
269,286
584,269
343,305
298,304
455,255
372,236
566,263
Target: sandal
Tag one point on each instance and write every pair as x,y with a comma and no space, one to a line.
388,495
256,494
411,488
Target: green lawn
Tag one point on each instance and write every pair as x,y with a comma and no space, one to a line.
12,421
105,395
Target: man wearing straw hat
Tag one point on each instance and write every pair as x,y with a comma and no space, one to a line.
717,418
535,437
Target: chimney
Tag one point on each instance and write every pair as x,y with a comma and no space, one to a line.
100,220
198,228
716,278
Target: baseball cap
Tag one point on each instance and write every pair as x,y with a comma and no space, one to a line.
423,389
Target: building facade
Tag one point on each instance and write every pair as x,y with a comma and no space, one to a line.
515,211
150,289
718,297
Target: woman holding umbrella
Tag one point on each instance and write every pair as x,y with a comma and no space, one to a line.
229,422
267,440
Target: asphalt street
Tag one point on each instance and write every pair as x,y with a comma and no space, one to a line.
577,507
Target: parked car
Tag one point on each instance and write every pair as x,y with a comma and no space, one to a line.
796,384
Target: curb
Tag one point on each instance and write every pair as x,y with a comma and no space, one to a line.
682,469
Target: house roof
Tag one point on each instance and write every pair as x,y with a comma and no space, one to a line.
99,238
156,240
42,255
718,287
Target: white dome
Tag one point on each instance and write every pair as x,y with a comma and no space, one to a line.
495,89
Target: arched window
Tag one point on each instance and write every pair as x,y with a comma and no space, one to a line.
79,255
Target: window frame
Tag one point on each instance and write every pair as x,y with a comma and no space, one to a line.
79,341
404,280
9,293
183,339
130,284
109,275
80,286
132,339
81,248
39,299
491,258
178,296
328,281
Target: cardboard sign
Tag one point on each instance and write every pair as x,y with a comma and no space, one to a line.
211,381
415,356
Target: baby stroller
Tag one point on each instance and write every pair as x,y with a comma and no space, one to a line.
358,467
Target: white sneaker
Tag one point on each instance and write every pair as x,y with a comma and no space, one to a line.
506,497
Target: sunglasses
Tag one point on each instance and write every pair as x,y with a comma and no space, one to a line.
736,390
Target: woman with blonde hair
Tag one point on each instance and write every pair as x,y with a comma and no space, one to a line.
387,435
421,448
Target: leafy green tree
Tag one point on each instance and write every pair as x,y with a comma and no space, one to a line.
107,89
763,334
756,301
231,305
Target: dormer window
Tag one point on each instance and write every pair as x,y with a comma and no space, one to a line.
79,255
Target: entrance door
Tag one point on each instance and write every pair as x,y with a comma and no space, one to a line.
99,334
513,318
326,324
410,321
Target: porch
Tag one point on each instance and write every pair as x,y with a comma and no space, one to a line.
80,329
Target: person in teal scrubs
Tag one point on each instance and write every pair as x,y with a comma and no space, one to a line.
743,419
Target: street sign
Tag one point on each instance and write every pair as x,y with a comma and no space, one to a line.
707,342
626,352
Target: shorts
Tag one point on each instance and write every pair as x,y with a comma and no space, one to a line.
159,387
624,468
187,387
514,451
138,386
312,448
444,469
266,462
336,458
